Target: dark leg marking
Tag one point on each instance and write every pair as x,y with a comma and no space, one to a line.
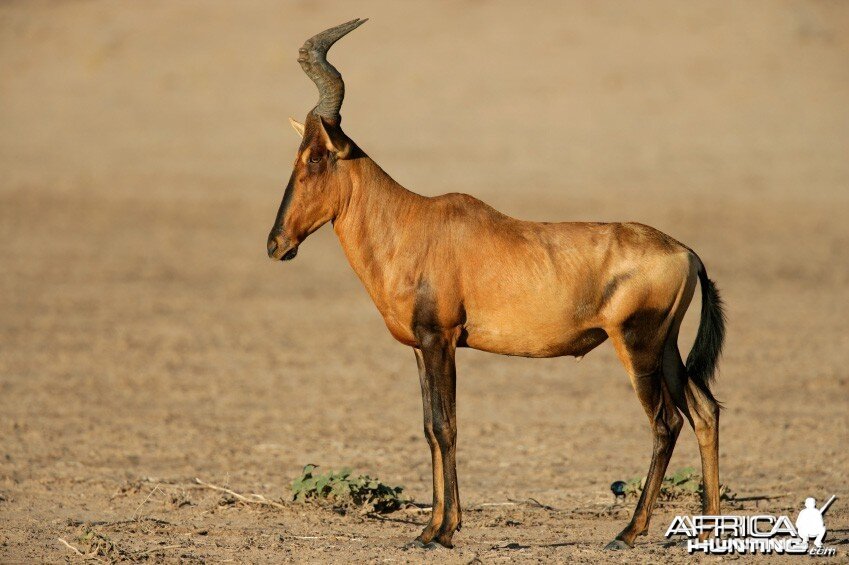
439,380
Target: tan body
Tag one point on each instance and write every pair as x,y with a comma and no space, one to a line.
509,286
450,272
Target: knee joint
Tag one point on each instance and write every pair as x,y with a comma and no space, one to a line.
666,426
706,418
429,434
444,432
675,422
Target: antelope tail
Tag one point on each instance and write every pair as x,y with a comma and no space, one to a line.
703,358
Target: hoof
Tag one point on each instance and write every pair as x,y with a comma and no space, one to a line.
419,544
617,545
444,543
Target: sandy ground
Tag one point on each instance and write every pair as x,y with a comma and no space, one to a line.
145,338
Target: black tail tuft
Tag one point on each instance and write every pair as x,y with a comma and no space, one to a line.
703,358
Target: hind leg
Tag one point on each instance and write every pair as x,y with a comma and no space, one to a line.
644,365
702,411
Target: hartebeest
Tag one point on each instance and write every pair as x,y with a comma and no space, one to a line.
450,272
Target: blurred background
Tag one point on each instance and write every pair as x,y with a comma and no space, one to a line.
144,150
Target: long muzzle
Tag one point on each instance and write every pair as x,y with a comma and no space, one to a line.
279,247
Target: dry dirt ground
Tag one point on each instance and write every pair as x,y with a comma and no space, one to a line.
145,338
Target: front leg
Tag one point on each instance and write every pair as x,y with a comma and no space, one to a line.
438,507
438,379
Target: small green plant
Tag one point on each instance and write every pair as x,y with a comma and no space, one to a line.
343,490
682,484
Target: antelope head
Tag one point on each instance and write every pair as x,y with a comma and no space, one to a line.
321,176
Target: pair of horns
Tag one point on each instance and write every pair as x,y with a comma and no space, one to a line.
313,59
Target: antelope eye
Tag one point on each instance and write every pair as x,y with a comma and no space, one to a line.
315,159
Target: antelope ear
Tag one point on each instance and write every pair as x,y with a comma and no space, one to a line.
297,126
335,139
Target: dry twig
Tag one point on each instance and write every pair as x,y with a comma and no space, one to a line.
535,502
144,501
71,547
155,549
253,499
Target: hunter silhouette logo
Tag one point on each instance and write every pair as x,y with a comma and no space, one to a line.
765,534
810,524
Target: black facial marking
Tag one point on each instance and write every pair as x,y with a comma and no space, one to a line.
285,204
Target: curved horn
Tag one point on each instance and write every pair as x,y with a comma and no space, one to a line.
313,59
